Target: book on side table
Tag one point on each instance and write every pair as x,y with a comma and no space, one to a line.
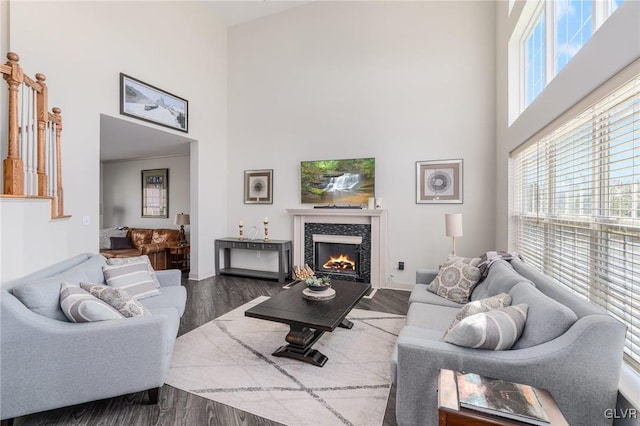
500,398
465,400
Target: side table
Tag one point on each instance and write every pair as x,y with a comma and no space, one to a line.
179,257
451,414
281,247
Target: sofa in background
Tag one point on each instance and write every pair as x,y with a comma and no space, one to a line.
49,363
579,364
152,242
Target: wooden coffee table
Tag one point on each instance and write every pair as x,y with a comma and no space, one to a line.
309,319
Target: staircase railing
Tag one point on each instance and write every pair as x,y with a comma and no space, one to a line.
33,167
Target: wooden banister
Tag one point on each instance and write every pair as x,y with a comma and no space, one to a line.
34,139
13,166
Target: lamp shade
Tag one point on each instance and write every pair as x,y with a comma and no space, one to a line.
182,219
453,224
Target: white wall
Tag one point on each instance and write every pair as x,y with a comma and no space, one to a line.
82,47
122,195
398,81
614,46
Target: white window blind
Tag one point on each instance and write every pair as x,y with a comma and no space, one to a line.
576,206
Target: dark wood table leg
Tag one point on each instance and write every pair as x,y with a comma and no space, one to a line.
300,340
346,324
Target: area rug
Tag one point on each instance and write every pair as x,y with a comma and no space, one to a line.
229,360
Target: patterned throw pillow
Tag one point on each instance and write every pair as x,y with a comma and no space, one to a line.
498,329
135,259
118,298
481,305
455,280
80,306
134,278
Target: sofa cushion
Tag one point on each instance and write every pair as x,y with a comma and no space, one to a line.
120,243
433,317
502,278
140,236
135,259
134,278
455,280
547,318
42,295
497,329
167,236
420,294
80,306
482,305
117,298
174,296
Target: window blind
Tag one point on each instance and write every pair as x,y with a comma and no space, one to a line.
576,206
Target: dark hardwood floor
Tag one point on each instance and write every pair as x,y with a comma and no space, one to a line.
206,300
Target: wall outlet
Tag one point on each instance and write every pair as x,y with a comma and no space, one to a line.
258,254
401,266
86,220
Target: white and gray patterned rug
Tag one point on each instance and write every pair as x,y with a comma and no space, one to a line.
229,360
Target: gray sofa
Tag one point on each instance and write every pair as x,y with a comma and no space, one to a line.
48,363
579,364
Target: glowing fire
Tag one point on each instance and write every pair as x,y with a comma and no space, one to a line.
340,263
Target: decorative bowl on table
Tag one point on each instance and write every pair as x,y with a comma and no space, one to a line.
318,284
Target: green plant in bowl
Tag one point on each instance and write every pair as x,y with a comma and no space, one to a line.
318,284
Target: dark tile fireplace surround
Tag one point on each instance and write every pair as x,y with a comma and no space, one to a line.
363,273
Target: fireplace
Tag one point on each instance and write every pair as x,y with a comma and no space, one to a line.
337,255
368,225
338,250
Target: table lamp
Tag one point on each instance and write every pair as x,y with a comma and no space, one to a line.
182,219
453,227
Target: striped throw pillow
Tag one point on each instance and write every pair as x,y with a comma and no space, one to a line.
498,329
80,306
134,278
481,305
135,259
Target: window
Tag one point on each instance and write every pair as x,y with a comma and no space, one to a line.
576,206
535,61
547,36
573,27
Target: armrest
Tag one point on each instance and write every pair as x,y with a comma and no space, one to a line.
425,276
152,248
169,277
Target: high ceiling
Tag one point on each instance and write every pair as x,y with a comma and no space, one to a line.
123,139
241,11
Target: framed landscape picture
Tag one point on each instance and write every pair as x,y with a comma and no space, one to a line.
146,102
155,193
439,182
258,186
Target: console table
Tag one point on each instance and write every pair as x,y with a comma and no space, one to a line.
282,247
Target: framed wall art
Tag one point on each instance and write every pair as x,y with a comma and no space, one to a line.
258,186
155,193
146,102
439,182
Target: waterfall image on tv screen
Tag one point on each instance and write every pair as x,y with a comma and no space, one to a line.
338,181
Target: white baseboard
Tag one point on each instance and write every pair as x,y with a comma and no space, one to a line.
199,277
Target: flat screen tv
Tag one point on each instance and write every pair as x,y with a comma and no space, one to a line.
344,182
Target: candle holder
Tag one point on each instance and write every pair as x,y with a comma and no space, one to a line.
266,231
241,232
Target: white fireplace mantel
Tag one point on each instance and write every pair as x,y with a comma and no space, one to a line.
379,240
